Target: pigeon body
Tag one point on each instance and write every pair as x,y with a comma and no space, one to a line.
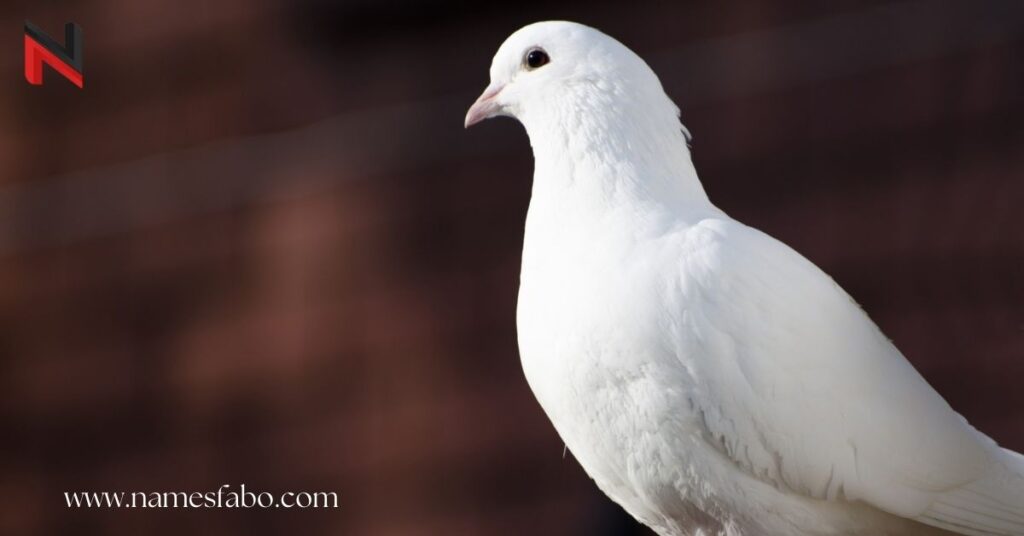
711,380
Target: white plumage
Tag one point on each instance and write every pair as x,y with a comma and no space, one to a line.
710,379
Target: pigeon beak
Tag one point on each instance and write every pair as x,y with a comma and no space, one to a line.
485,107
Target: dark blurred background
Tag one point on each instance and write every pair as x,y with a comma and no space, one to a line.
260,248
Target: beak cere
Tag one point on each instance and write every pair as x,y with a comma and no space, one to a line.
485,107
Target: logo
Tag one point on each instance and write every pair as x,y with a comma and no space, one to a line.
41,48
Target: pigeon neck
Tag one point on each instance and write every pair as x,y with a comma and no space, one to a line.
615,157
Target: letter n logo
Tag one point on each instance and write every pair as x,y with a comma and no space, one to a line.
41,48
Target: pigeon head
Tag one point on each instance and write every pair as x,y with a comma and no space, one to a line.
558,71
592,108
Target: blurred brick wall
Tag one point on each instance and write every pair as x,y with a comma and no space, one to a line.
259,248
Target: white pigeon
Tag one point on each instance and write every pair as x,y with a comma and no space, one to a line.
710,379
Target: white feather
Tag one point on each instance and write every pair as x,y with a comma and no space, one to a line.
709,378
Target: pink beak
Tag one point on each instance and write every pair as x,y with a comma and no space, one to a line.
485,107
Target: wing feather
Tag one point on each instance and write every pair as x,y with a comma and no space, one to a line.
818,400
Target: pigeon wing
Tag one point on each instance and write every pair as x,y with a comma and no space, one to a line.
812,397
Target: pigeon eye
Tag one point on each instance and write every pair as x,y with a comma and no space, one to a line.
536,58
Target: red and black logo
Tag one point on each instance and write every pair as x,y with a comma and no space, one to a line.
41,48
